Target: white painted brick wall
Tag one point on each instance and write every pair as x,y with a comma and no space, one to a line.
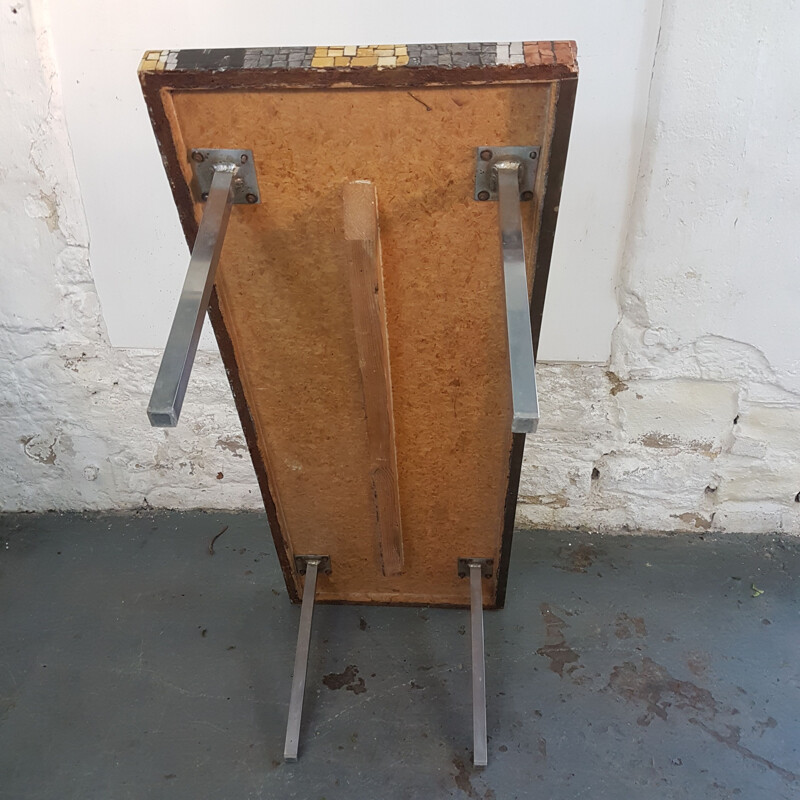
695,424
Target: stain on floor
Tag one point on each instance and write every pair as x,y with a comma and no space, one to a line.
578,558
651,686
556,649
627,626
463,781
348,680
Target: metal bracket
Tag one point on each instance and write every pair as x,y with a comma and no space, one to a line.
245,182
487,160
308,566
486,565
323,564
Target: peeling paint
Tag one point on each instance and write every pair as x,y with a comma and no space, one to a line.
39,448
43,206
549,500
234,446
617,385
696,519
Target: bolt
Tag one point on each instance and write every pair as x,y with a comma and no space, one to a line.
533,154
251,198
243,158
198,156
204,196
484,195
486,155
526,196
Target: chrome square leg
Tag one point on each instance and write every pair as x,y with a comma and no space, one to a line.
477,568
310,566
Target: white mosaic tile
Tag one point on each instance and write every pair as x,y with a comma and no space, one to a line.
503,54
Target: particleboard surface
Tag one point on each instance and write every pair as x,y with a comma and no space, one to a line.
284,315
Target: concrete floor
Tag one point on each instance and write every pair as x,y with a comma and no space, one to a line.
135,665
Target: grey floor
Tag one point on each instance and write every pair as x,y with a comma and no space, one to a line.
136,665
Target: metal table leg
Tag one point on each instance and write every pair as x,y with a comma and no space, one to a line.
166,400
301,661
480,757
477,568
518,316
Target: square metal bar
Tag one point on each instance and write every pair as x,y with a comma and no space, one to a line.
166,400
518,315
480,756
291,745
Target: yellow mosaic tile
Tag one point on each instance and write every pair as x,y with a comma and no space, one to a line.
373,55
153,60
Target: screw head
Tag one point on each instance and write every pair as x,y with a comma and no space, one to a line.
243,158
526,196
533,154
486,155
204,196
251,198
484,195
239,181
198,157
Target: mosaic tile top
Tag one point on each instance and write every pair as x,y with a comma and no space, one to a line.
381,56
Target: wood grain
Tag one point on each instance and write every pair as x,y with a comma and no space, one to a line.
360,202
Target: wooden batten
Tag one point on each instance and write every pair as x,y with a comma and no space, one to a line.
361,230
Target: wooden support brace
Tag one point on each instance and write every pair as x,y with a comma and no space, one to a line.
369,314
